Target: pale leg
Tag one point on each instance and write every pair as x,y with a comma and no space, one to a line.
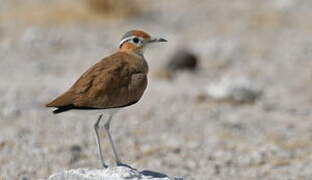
98,142
107,126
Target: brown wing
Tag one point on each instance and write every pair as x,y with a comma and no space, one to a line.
113,82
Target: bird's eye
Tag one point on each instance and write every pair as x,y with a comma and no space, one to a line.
136,40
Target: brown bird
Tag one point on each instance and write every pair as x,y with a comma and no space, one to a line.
115,82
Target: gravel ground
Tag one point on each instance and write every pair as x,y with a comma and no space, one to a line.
176,128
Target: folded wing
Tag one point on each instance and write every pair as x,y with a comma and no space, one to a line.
113,82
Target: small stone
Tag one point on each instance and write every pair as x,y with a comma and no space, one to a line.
75,149
76,152
177,150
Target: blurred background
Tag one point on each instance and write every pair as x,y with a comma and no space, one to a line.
229,95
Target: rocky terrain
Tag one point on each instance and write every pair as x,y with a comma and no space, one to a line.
111,173
244,113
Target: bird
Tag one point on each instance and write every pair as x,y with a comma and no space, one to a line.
115,82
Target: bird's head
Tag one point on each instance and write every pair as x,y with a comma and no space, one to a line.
134,41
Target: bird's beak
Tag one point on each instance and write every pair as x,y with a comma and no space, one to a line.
152,40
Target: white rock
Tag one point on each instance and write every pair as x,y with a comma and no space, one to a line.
238,89
111,173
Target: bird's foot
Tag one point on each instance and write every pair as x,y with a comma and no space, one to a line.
122,164
104,166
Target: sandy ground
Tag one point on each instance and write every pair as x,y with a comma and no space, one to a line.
173,129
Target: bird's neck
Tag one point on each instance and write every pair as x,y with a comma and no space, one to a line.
138,59
132,49
138,53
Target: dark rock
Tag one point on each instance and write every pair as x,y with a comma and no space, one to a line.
183,60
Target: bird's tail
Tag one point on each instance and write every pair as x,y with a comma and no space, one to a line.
63,109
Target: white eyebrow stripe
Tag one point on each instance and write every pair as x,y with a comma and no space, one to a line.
125,40
129,38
